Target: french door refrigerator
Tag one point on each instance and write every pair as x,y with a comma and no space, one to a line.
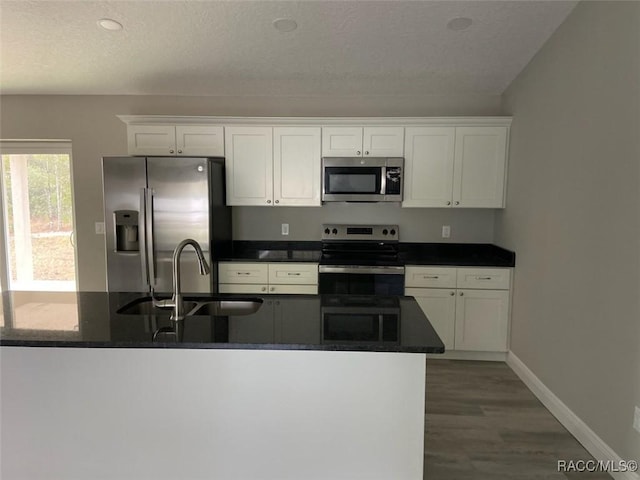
151,205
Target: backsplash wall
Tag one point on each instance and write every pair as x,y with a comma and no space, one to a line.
416,224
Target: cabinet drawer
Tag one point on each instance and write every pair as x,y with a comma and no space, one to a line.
484,278
243,288
293,273
293,289
434,277
234,272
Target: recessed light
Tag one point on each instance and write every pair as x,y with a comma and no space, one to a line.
459,23
285,24
109,24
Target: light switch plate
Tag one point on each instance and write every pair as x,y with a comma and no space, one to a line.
285,229
446,231
636,419
99,228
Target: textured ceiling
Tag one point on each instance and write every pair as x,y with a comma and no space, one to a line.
231,48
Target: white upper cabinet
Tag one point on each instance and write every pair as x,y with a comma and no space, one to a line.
459,167
362,141
249,165
200,141
480,165
428,166
175,140
268,166
296,166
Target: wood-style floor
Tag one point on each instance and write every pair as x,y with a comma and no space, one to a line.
483,423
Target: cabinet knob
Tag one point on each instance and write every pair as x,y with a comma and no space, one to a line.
171,150
272,289
179,151
366,152
277,201
358,152
462,294
264,289
268,201
452,293
448,203
457,202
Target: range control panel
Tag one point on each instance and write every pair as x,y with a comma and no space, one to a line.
360,232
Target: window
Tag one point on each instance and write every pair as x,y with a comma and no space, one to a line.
39,258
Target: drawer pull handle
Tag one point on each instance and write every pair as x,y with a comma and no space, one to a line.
483,278
243,273
435,277
293,273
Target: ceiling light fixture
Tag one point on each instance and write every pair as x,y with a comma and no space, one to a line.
109,24
285,25
459,23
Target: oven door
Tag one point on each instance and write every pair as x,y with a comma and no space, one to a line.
352,324
358,280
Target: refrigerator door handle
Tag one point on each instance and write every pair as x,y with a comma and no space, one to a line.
149,234
143,237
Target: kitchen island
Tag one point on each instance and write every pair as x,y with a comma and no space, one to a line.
312,387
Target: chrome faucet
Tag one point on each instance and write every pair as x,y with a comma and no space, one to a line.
176,301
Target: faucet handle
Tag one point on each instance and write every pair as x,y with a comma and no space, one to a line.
168,303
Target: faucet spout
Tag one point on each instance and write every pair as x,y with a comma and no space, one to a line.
178,305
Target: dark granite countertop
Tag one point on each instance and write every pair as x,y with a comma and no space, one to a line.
453,254
283,322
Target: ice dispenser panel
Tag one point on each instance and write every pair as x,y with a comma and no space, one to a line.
126,230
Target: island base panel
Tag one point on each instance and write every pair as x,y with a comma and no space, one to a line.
78,413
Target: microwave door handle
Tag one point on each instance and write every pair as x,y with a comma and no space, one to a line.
383,180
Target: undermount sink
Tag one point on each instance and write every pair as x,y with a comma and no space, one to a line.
198,306
228,307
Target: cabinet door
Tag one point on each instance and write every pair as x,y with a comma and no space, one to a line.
342,141
479,168
297,321
482,318
151,140
439,305
383,142
428,166
255,328
200,140
249,165
296,166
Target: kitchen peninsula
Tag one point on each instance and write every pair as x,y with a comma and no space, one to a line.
308,386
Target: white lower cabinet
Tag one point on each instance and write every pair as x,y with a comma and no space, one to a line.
468,307
268,278
296,321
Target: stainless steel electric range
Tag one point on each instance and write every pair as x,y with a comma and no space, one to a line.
360,260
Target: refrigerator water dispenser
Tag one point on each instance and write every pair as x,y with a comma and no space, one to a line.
126,222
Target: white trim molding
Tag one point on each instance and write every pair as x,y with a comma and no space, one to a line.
574,424
321,121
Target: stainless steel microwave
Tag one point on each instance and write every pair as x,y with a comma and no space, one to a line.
354,179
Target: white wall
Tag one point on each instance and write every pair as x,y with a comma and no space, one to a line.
91,124
573,217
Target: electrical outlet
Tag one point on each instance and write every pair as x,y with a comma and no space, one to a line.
99,228
285,229
636,419
446,231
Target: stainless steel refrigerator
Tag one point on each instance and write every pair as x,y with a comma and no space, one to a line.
151,205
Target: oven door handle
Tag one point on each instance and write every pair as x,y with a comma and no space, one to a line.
381,270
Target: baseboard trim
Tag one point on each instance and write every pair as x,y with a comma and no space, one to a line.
587,437
468,355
